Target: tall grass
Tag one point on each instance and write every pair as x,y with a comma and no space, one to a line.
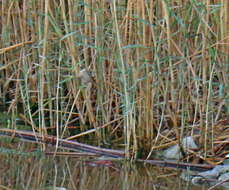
158,69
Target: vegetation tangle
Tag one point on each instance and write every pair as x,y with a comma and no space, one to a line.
138,74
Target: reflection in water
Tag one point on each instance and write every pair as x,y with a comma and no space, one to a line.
218,176
35,173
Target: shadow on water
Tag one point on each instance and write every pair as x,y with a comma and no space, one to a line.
40,172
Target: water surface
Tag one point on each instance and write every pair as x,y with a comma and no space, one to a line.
39,172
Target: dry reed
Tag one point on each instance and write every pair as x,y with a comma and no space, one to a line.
162,66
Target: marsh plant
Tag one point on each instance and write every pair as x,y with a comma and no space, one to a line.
145,73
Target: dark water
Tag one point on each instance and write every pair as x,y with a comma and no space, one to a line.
40,172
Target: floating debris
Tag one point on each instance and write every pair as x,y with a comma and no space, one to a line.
218,176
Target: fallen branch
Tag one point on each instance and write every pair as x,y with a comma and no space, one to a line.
179,165
97,151
67,144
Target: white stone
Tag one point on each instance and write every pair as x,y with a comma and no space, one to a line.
174,152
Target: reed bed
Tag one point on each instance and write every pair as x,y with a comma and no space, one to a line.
143,73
